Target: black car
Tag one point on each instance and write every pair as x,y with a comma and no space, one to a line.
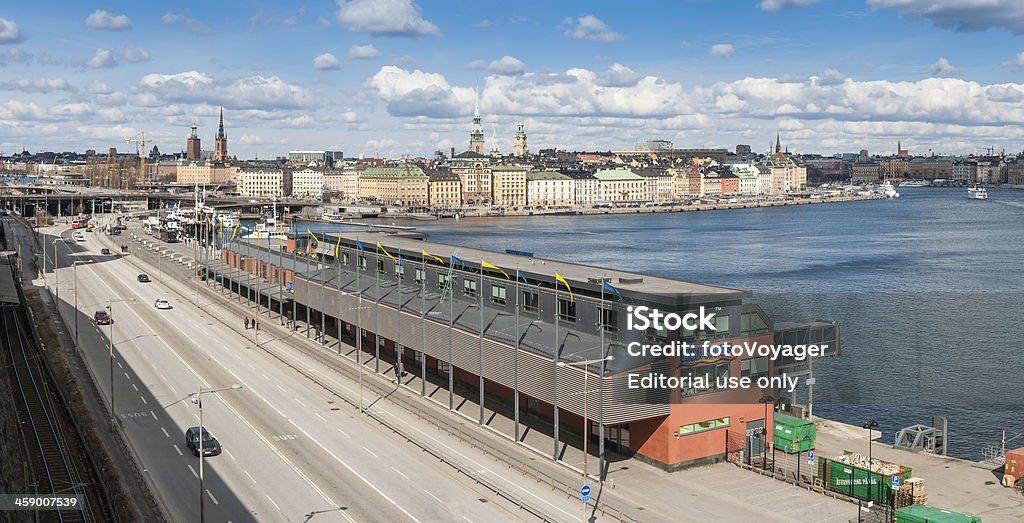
210,445
143,278
104,251
102,318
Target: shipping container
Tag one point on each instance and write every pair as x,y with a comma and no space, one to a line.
793,434
854,481
925,514
1014,465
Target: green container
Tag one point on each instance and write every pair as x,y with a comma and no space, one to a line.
792,434
925,514
854,481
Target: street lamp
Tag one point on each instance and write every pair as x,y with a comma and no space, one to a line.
766,400
197,398
870,425
75,265
586,428
55,266
110,339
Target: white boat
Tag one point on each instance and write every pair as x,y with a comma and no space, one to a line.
228,219
269,229
886,189
915,183
977,192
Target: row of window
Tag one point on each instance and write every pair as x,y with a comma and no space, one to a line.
702,426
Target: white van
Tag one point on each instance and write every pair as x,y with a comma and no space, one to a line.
78,236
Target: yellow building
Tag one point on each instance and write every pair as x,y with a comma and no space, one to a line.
509,185
445,190
205,174
404,185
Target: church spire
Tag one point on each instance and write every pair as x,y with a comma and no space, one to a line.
476,134
778,143
220,130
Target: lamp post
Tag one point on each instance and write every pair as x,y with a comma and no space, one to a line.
75,265
110,339
56,275
766,400
197,398
870,425
586,428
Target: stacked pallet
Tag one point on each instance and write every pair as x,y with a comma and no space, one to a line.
911,493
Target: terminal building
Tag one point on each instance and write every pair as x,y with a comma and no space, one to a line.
535,347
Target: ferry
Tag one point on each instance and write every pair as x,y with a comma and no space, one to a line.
977,192
269,229
915,183
886,189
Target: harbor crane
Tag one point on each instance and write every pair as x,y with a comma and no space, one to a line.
141,140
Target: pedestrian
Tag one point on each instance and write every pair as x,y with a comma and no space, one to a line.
246,323
257,324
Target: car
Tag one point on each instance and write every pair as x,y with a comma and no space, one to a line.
210,446
79,237
104,251
143,278
162,303
102,318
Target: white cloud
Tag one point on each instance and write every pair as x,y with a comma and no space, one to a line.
589,27
326,62
39,85
943,68
1016,64
507,65
250,139
250,92
722,50
97,87
186,80
384,18
21,110
363,51
14,56
71,109
476,65
103,59
618,75
111,114
9,32
107,21
189,24
776,5
135,54
962,15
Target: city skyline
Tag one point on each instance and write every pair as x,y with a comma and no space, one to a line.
398,77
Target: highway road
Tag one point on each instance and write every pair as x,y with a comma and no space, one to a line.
292,451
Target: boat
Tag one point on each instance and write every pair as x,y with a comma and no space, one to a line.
887,190
977,192
228,219
269,228
915,183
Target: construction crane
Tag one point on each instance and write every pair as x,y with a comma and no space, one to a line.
141,140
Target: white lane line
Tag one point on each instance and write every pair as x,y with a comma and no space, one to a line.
230,454
433,496
399,472
126,376
165,432
215,502
193,471
297,400
319,416
467,519
120,366
250,475
134,387
345,433
371,452
280,387
177,449
353,471
271,501
251,367
151,413
144,400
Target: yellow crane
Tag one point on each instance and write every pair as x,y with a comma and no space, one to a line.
141,140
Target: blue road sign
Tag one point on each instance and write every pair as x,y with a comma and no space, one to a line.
895,481
810,458
586,499
585,491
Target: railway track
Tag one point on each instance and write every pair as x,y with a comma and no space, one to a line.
52,468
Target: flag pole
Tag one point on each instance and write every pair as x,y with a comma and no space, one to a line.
515,364
480,346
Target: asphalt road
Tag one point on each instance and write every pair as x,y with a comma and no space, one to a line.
291,452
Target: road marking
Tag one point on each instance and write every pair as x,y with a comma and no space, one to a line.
271,500
193,471
151,413
467,519
280,387
297,400
165,432
215,502
345,433
319,416
134,387
126,376
144,400
250,475
119,365
433,496
230,454
399,472
177,449
371,452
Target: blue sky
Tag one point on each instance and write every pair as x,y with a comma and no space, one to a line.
397,76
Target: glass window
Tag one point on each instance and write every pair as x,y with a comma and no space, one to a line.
566,310
420,275
442,281
399,269
530,301
702,426
344,258
652,334
752,324
362,262
754,367
609,320
721,322
380,266
469,287
498,294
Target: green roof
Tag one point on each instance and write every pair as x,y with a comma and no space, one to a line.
609,175
546,175
396,171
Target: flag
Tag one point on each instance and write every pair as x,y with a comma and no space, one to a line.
428,255
386,253
608,287
316,241
336,247
455,259
520,276
486,265
235,231
560,279
359,245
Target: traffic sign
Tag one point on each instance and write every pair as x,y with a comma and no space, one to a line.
895,481
586,499
585,490
810,458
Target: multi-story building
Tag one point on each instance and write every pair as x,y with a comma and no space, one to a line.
865,172
549,188
509,185
730,183
657,184
192,173
748,175
621,185
308,183
964,171
444,190
893,168
193,149
786,175
474,169
931,168
711,182
587,189
328,159
220,145
404,184
992,171
261,182
1015,172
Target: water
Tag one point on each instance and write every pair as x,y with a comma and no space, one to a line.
927,290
